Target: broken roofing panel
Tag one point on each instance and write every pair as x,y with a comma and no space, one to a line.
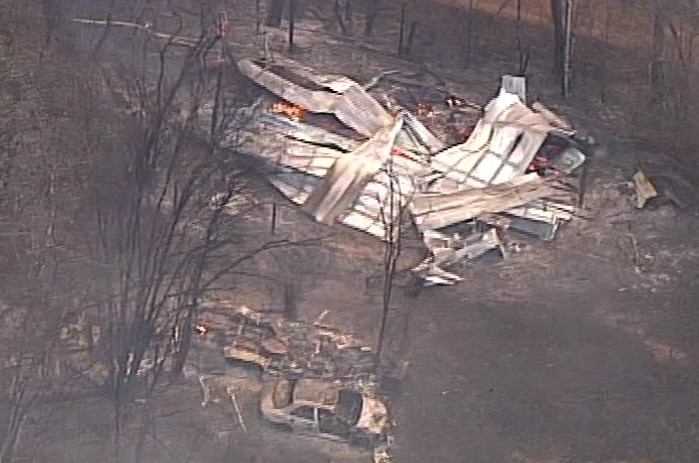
347,100
501,147
381,203
433,211
420,135
350,174
276,139
367,213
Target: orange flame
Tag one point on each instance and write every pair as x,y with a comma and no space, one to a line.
292,111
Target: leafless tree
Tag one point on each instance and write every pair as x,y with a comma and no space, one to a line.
394,213
158,241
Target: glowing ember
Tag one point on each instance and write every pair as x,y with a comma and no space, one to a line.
400,152
395,151
292,111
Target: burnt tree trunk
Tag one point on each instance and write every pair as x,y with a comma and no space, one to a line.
275,12
292,23
557,14
561,12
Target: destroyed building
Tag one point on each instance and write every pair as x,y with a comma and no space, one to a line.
330,146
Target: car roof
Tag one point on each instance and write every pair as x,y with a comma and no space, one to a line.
312,391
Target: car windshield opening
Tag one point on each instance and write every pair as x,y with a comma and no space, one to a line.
349,406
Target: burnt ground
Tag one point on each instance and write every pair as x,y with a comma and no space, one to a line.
579,350
572,363
583,349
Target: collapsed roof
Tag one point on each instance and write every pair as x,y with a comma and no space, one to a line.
371,162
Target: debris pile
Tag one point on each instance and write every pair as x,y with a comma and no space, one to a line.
289,349
359,157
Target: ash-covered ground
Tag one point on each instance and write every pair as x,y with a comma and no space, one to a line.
583,349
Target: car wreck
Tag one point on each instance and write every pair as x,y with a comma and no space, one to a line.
328,145
325,409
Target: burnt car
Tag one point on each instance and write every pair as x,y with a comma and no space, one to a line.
326,410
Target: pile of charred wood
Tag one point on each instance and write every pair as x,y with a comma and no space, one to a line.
290,349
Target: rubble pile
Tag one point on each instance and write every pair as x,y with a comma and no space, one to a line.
289,349
362,157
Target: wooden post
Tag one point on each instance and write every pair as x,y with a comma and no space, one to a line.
562,13
273,220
